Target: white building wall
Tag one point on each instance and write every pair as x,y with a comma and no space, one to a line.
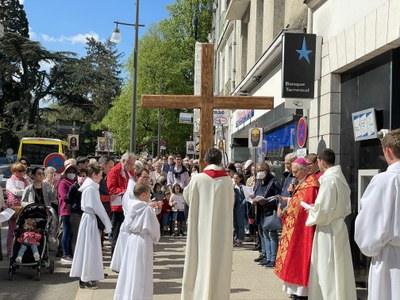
361,31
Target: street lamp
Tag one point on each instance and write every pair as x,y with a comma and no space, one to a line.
116,38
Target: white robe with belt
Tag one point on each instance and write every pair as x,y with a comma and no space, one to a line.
87,263
135,279
123,231
331,269
377,233
208,262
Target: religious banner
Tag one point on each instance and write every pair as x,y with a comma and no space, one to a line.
73,142
298,65
190,147
255,137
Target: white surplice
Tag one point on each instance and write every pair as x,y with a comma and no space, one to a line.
87,263
331,269
135,279
208,261
377,233
119,249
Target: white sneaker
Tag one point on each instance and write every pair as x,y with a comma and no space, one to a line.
18,260
36,256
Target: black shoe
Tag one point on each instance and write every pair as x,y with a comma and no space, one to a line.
270,264
260,258
89,284
264,262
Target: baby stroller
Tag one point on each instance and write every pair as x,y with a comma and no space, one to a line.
44,218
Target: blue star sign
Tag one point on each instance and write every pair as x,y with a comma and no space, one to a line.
304,52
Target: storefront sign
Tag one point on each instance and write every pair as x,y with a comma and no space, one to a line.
298,65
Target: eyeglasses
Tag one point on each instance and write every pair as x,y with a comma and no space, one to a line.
297,171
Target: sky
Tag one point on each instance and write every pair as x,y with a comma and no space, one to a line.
63,25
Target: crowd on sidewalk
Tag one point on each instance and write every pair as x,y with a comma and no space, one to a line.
295,218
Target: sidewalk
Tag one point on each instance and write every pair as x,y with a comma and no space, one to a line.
249,281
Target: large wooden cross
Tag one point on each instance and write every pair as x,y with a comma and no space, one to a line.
206,102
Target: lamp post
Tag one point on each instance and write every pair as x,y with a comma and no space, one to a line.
116,38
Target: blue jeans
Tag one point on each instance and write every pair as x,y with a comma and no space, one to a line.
238,222
24,247
270,244
66,240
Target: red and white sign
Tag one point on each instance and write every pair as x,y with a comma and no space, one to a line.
55,160
302,132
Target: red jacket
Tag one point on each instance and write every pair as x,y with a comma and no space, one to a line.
30,237
117,183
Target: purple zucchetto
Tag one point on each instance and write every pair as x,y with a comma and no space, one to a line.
301,161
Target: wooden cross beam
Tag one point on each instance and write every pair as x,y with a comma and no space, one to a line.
207,102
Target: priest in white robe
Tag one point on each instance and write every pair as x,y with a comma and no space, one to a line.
377,227
135,279
331,269
87,263
208,262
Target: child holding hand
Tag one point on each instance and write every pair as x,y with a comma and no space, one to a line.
29,238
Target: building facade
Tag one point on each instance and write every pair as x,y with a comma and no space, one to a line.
358,66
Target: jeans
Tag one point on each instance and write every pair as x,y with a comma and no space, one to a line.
24,247
238,222
270,244
66,240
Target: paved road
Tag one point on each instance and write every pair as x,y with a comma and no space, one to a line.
249,281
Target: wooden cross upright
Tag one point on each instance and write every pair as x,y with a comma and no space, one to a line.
206,102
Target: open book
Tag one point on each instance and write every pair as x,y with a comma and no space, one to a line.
248,191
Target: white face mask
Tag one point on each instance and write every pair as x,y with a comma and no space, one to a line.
260,175
71,176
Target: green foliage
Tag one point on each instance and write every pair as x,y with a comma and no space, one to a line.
13,17
165,66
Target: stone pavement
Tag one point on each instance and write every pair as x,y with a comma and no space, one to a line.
249,281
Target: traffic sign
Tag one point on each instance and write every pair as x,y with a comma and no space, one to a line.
55,160
302,132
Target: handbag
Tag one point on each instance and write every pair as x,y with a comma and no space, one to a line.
272,222
100,224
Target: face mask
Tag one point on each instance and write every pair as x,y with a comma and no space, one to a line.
71,176
81,180
260,175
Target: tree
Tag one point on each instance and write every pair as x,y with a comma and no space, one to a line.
166,65
13,17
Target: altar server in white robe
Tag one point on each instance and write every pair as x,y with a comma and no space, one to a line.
208,262
87,263
377,227
127,202
135,279
142,177
331,269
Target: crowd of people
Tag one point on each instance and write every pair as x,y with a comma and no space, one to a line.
295,220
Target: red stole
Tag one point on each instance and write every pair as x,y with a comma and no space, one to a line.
294,253
215,173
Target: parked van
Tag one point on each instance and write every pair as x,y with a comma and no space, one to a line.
36,149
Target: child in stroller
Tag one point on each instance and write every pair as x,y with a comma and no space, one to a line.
29,238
